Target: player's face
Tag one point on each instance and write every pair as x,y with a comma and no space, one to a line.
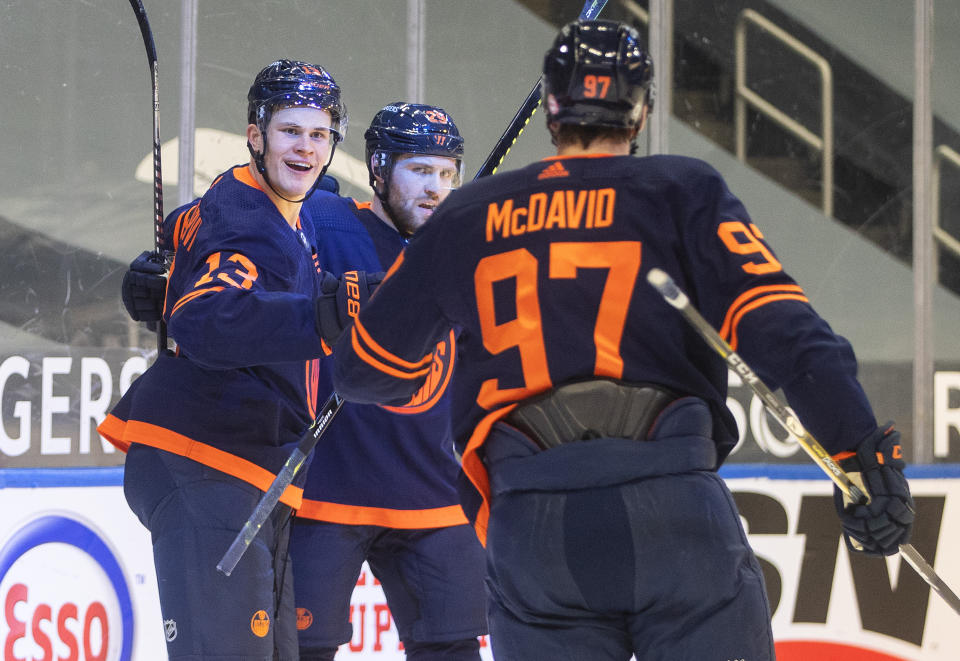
298,146
417,185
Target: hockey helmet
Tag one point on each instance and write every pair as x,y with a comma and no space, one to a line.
410,128
597,74
287,83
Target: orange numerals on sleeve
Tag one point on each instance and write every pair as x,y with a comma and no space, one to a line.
238,266
741,240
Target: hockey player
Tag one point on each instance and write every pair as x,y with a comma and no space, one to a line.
590,419
207,428
381,485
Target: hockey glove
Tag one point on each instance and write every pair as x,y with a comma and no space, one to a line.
884,523
341,299
144,288
329,184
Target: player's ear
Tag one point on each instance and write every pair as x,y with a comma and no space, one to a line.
643,118
254,137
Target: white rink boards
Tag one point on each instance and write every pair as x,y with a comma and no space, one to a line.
76,572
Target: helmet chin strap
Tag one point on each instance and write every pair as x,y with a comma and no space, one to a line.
262,169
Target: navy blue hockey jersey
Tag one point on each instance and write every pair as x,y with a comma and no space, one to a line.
242,386
543,270
392,467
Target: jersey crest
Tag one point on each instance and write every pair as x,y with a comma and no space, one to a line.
437,381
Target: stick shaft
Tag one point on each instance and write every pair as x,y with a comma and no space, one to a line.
675,297
591,9
280,483
159,255
928,574
668,289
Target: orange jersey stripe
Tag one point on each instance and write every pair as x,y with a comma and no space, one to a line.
356,515
192,295
476,472
242,174
754,305
747,295
360,333
112,429
133,431
554,158
376,364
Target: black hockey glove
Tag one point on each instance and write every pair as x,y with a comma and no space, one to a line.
144,289
341,299
880,526
329,184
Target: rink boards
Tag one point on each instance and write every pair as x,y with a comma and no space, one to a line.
77,579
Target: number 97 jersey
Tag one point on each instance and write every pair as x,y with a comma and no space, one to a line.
544,271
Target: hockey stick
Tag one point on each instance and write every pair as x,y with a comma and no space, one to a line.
158,254
675,297
284,478
591,9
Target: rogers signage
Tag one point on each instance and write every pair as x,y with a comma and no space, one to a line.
64,594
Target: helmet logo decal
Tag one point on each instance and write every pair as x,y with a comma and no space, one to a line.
312,70
436,117
596,87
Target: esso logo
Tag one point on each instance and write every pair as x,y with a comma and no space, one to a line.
63,595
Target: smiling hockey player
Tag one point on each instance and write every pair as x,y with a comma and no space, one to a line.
207,428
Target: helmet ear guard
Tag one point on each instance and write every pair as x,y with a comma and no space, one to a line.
379,166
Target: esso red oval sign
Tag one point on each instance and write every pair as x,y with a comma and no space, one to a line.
63,595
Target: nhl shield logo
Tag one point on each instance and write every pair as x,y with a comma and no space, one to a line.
170,630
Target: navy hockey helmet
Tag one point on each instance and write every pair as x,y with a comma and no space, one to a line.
287,83
597,74
292,83
410,128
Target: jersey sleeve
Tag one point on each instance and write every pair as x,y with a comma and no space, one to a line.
239,297
374,363
742,288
